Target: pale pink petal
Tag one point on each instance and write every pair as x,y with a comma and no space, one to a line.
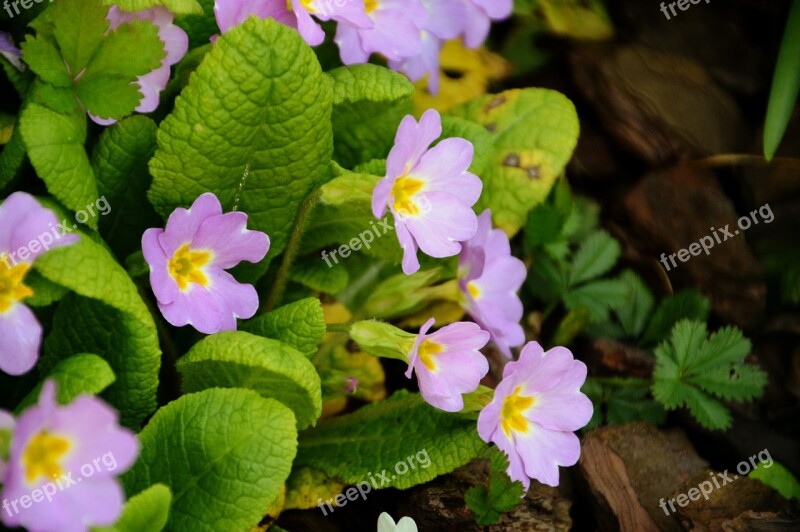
350,48
438,231
445,166
409,246
196,307
163,284
20,340
543,450
380,196
227,235
183,223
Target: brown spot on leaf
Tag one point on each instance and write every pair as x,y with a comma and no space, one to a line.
494,103
491,127
533,172
512,159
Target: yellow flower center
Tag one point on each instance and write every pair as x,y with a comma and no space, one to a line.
42,457
403,192
185,266
305,3
12,289
514,406
427,350
370,5
473,290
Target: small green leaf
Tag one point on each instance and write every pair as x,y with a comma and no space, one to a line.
779,478
74,376
300,324
502,495
224,453
785,84
237,359
147,511
595,257
319,275
686,304
638,305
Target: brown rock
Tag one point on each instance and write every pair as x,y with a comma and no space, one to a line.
658,105
671,209
628,468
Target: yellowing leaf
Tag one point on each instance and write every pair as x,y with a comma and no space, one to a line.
465,74
585,19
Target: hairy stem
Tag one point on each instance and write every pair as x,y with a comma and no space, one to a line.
291,251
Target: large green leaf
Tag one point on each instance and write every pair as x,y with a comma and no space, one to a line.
120,163
369,102
380,436
55,147
300,324
252,126
76,375
237,359
105,316
224,453
534,132
785,84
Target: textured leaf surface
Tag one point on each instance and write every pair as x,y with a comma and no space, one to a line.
379,436
369,102
300,324
105,316
535,132
224,453
120,164
252,126
179,7
237,359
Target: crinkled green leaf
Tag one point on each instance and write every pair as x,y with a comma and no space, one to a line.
76,375
224,453
598,296
105,316
55,147
315,273
179,7
120,163
236,359
535,132
369,102
379,436
595,256
44,292
300,324
252,126
11,158
147,511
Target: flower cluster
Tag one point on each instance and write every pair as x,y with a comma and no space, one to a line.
67,457
408,33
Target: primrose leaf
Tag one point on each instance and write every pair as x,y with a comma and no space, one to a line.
316,274
224,453
147,510
258,135
273,369
305,487
369,102
105,316
179,7
55,147
120,163
76,375
300,324
691,368
380,436
535,132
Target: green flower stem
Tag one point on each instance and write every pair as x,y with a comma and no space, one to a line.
291,251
